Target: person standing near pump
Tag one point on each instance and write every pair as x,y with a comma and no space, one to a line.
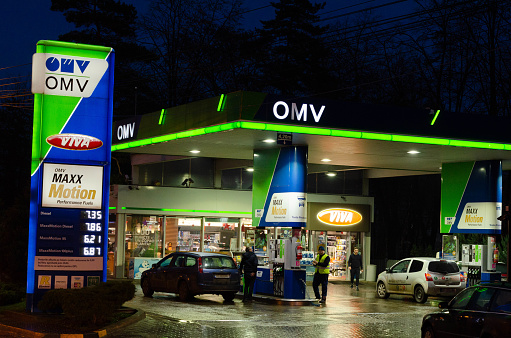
322,264
248,267
355,266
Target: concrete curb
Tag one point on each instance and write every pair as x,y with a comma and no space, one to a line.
137,316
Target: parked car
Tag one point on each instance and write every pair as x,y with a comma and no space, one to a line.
192,273
421,277
482,310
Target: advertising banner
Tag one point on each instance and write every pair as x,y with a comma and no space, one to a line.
279,194
471,198
71,148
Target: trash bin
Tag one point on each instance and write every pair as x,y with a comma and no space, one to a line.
371,273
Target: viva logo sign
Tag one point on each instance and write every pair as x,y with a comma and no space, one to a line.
339,217
74,142
62,75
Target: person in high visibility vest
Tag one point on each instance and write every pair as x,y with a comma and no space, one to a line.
322,264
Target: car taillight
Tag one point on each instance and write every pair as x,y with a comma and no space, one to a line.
200,265
462,278
428,277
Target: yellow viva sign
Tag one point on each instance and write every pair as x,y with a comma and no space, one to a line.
339,217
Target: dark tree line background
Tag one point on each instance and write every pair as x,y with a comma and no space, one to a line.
452,55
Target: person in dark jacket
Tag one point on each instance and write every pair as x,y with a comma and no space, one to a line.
355,266
248,266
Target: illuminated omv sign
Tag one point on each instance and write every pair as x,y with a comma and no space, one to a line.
74,142
281,111
339,217
62,75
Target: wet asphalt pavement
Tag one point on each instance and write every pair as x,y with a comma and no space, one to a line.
348,313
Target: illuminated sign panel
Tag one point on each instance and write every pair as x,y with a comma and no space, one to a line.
339,217
72,186
71,147
66,75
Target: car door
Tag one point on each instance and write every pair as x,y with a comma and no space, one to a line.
397,276
477,310
414,276
453,320
174,272
158,276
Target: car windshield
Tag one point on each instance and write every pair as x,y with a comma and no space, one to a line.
443,267
219,263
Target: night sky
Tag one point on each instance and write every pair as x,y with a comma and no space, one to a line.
24,22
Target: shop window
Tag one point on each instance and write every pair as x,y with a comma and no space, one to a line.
174,172
221,234
236,179
148,174
202,172
143,236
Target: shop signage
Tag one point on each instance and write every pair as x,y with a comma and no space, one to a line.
126,130
74,142
281,111
66,75
339,217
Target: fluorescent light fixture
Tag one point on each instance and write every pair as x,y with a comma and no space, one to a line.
250,169
195,151
255,155
331,174
413,152
268,140
326,160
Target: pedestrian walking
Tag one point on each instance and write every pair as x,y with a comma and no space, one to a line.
355,266
248,267
322,264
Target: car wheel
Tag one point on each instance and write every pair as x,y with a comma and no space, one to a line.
419,295
229,296
428,332
184,292
146,288
381,290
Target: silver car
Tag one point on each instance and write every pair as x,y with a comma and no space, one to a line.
421,277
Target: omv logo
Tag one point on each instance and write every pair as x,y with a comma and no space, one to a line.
65,65
64,75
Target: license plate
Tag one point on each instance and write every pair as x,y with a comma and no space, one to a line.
447,290
222,276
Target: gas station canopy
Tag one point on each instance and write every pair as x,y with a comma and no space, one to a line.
387,141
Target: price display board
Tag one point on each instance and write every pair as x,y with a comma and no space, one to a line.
71,147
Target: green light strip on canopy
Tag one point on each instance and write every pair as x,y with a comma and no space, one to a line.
313,131
191,210
220,103
162,116
434,118
112,208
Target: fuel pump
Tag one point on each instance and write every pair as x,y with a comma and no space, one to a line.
288,277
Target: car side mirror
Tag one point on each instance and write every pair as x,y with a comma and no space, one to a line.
443,305
154,265
387,270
